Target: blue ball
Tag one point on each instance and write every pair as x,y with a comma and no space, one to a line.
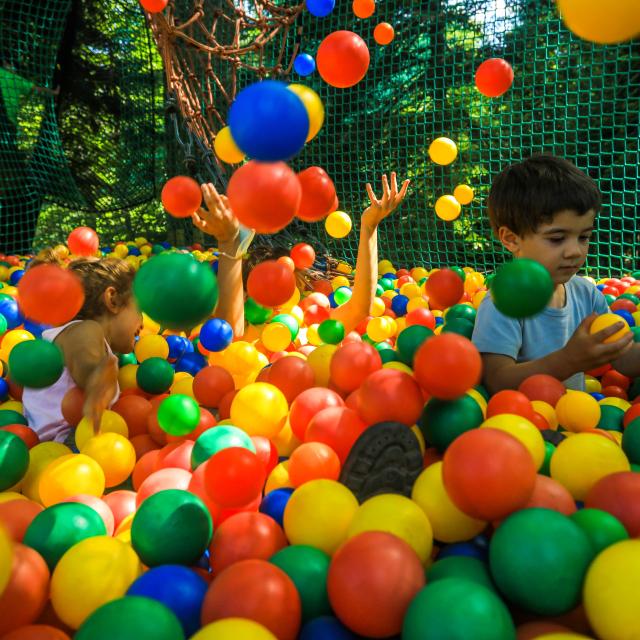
326,628
165,244
268,122
178,346
304,65
274,503
4,389
399,304
133,250
597,396
601,287
390,276
626,316
332,300
191,363
9,309
15,277
178,588
216,334
215,266
35,328
463,549
439,321
320,8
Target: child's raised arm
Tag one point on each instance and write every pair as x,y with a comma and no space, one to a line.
359,306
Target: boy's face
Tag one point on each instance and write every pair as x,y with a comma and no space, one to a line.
560,245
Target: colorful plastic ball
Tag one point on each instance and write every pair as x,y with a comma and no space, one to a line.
132,616
154,375
275,502
10,312
111,422
318,194
114,453
383,34
463,567
331,331
410,340
233,628
303,255
606,320
320,8
543,387
16,515
14,459
83,241
448,208
494,77
521,288
313,105
171,527
313,461
488,474
457,608
304,64
234,477
522,430
444,287
92,573
601,528
343,59
463,193
122,504
35,363
617,494
181,196
338,224
258,591
226,148
443,151
178,414
70,475
372,580
175,290
211,384
271,284
260,409
257,120
352,363
217,439
308,404
162,480
154,6
319,514
363,8
178,588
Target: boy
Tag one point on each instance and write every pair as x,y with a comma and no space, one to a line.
544,208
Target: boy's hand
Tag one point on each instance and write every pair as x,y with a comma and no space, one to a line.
100,390
390,201
217,219
586,351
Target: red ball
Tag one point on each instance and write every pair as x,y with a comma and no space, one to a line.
234,477
83,241
390,395
181,196
26,434
73,405
444,288
342,59
631,413
17,515
50,294
175,455
303,255
318,195
352,363
323,286
488,474
619,495
313,461
135,410
338,427
372,580
494,77
162,480
144,467
447,366
550,494
291,375
224,410
256,590
122,503
383,34
211,384
316,298
245,536
615,392
207,421
316,314
307,405
624,305
422,317
264,196
543,387
271,284
267,453
154,6
509,401
613,378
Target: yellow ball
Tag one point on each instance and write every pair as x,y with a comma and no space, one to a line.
343,267
312,335
611,593
578,411
4,273
286,442
580,461
606,320
320,361
592,385
276,337
547,412
6,558
10,496
418,273
521,429
313,104
472,282
259,409
68,476
183,385
417,303
150,325
115,455
377,307
226,148
601,22
389,294
340,281
111,422
151,347
448,208
479,398
297,313
443,151
478,298
615,402
338,224
411,290
241,358
12,405
385,266
127,377
278,478
121,251
232,629
463,193
449,524
397,515
379,329
14,337
39,458
292,301
93,572
319,514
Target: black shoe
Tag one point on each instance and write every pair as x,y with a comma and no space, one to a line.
554,437
386,458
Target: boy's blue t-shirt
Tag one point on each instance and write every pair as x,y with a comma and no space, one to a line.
550,330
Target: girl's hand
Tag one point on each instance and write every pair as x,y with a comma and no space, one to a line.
217,219
391,199
100,391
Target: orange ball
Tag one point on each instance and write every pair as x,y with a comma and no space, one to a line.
162,480
343,59
144,467
72,406
303,255
17,515
271,283
135,410
287,262
363,8
211,384
181,196
383,34
313,461
154,6
37,632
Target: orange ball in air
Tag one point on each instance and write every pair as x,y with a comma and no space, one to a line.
383,34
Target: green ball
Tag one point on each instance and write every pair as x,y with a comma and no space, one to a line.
610,418
342,295
288,321
131,618
631,441
59,527
483,392
255,313
539,559
386,284
171,527
601,528
521,288
178,414
388,355
35,363
456,608
464,567
379,290
307,567
9,416
442,421
460,272
3,324
610,299
410,340
14,459
127,358
155,375
461,326
157,249
175,290
331,331
216,439
368,340
636,333
629,296
549,450
461,311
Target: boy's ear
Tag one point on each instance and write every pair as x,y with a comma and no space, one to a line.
509,239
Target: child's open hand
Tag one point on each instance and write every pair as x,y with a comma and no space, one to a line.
217,219
100,391
391,199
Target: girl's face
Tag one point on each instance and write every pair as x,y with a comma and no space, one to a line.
126,325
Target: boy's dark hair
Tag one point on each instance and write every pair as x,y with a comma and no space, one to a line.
529,193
